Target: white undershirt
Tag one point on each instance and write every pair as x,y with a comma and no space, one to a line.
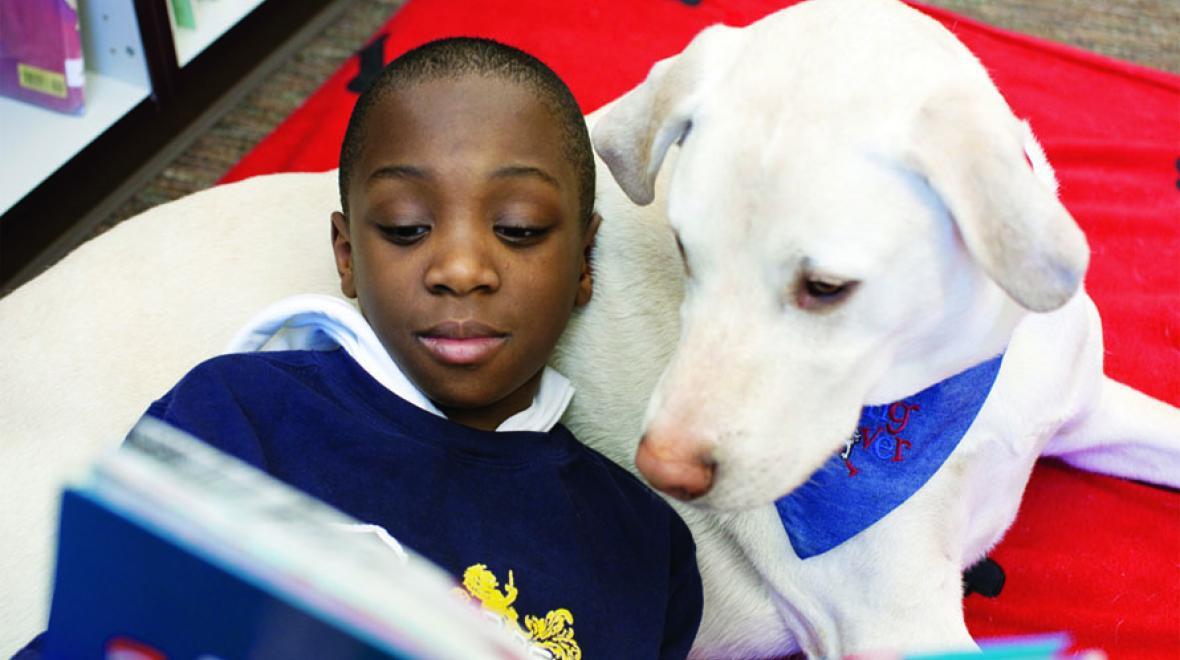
318,322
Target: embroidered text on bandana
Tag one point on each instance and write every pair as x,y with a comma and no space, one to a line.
896,449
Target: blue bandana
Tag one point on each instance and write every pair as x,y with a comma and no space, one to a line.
896,449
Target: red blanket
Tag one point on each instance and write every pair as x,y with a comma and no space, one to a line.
1091,555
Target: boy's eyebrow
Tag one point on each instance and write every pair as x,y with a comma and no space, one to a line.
510,171
400,172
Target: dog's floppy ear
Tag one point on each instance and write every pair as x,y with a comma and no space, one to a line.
635,134
972,152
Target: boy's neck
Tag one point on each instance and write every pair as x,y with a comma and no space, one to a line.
490,417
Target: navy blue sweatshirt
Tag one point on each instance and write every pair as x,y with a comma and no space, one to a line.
557,525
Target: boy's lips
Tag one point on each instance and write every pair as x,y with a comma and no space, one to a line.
462,342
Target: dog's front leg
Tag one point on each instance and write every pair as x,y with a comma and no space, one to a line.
896,586
896,589
759,535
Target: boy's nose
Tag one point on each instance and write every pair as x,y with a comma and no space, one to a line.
460,267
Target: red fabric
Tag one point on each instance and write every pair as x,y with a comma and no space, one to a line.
1095,556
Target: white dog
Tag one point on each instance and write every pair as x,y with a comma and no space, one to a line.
858,222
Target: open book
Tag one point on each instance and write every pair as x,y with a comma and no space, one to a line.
170,548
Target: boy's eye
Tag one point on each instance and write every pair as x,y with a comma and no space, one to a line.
404,234
520,235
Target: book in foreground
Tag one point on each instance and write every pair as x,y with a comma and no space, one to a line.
170,548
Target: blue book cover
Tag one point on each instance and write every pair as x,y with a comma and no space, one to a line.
170,549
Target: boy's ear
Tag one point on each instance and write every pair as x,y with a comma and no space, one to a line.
342,249
586,280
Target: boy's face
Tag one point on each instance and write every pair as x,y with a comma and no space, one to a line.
463,243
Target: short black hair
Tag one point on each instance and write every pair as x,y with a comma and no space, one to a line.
460,56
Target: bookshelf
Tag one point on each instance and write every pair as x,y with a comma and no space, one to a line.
214,18
36,141
148,85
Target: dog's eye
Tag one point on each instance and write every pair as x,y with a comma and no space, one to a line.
818,292
824,289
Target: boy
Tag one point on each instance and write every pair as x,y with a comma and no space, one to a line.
467,185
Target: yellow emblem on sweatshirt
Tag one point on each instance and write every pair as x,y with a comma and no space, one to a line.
554,632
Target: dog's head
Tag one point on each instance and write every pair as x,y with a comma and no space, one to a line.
860,216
